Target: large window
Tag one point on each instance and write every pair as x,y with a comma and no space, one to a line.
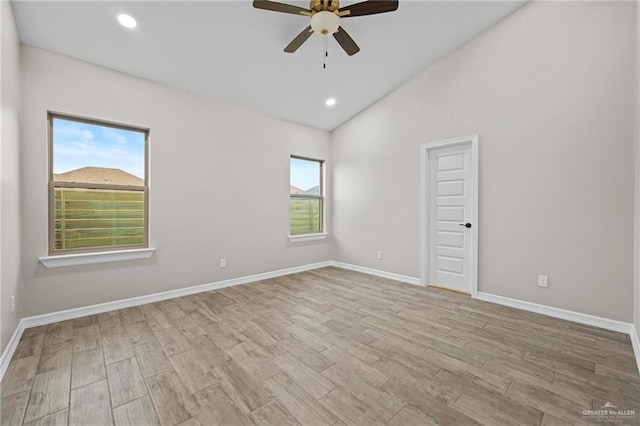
97,186
306,196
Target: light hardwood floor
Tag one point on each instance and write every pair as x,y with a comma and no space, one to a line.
326,347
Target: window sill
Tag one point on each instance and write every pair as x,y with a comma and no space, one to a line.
90,258
307,237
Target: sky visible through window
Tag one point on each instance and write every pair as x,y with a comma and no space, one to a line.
77,145
305,174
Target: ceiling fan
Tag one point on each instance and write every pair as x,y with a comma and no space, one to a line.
325,19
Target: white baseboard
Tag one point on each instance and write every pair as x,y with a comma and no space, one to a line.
635,342
580,318
378,273
8,352
68,314
52,317
608,324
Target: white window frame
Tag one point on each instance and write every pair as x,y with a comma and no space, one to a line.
321,234
131,248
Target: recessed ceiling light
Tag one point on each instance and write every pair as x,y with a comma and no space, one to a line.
127,21
330,102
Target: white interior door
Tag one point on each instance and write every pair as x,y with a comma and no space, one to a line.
451,221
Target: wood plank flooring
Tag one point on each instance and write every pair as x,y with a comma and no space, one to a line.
326,347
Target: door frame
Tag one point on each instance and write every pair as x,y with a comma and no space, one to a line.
425,204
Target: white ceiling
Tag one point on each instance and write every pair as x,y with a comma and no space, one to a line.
231,51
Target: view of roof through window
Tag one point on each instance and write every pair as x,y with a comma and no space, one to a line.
305,177
91,153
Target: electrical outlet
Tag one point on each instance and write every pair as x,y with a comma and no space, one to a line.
223,263
13,303
379,255
543,281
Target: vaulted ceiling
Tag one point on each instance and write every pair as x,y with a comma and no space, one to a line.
231,51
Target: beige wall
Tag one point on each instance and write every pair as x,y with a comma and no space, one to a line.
636,252
547,90
219,179
10,175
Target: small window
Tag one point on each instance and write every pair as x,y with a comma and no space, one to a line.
306,196
98,192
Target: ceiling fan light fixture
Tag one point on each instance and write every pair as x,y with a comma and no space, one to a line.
325,23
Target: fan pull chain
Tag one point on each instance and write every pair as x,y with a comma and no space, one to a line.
326,54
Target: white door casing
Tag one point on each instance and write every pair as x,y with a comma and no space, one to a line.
449,205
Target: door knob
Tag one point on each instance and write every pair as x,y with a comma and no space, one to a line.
467,225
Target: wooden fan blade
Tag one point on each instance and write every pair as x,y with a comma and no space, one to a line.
280,7
299,40
370,7
345,40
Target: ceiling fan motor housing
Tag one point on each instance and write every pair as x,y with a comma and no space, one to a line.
319,5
